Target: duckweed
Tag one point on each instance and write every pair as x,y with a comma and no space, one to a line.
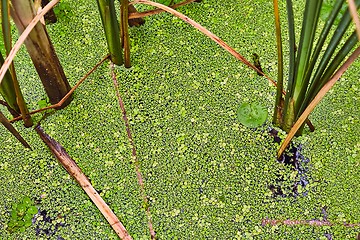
205,175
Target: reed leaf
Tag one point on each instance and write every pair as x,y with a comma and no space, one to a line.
317,99
333,44
309,26
111,29
338,59
277,117
323,36
14,97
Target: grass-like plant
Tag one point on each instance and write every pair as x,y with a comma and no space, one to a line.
309,69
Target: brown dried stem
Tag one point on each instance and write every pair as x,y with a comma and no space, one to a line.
133,153
12,130
157,11
59,104
72,168
273,222
355,16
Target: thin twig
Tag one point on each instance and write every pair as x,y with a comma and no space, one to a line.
69,93
157,11
73,169
134,155
207,33
12,130
12,111
317,99
23,36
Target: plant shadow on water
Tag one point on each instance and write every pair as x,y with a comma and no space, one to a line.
46,225
299,165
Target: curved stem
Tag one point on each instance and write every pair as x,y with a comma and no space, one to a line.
59,104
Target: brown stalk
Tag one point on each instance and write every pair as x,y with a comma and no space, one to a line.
125,39
133,153
23,37
59,104
317,99
49,16
207,33
41,51
12,111
72,168
355,16
157,11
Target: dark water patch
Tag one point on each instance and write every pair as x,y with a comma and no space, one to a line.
298,163
48,225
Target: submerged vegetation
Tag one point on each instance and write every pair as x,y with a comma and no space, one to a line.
177,163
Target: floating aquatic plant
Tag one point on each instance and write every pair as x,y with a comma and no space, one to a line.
251,115
21,215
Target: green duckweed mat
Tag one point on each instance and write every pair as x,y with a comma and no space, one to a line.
206,176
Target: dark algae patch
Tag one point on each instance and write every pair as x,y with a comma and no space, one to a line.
292,158
47,224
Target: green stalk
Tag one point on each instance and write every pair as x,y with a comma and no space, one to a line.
14,98
42,52
12,130
324,33
338,59
111,28
305,47
334,43
311,17
286,124
124,11
333,66
277,118
7,89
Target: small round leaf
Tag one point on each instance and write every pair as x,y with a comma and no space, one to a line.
251,115
27,223
26,201
32,210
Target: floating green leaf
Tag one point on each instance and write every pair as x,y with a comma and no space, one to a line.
32,210
21,215
43,102
26,201
251,115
